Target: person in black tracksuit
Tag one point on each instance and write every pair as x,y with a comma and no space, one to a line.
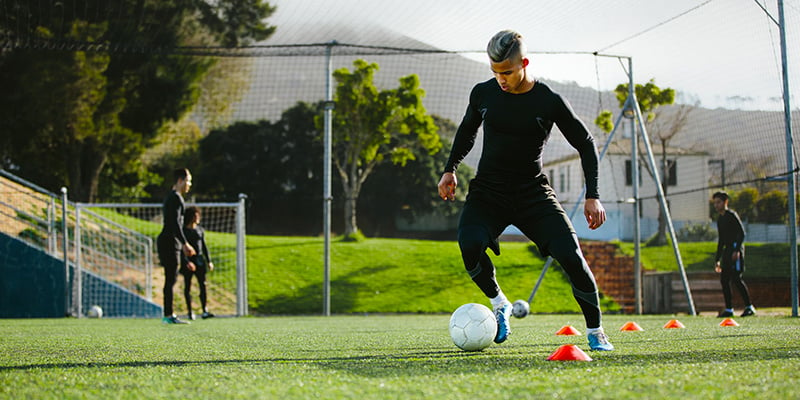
730,255
171,241
518,113
197,265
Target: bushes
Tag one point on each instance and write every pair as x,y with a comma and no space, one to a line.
697,233
767,208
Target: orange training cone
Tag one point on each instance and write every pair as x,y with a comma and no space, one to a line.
631,326
569,352
567,330
728,322
673,324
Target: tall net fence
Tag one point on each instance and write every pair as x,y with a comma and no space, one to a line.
704,149
726,130
720,133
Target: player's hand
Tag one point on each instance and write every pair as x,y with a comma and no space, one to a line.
190,265
447,186
188,250
594,212
717,268
735,256
210,266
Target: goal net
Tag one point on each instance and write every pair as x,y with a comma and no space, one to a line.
222,236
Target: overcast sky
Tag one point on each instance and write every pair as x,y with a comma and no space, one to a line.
724,53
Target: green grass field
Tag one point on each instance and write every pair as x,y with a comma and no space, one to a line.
423,276
394,357
285,276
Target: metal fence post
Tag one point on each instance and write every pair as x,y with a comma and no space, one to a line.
241,259
77,289
65,244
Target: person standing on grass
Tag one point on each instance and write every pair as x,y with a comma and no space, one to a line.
197,265
518,113
730,255
172,242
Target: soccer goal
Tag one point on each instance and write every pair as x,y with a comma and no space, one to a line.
224,234
105,255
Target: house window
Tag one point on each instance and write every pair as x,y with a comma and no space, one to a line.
672,173
628,174
563,179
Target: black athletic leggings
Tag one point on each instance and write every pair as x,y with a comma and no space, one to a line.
732,275
534,209
170,258
200,273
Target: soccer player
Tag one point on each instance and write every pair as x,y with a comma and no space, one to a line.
171,241
197,265
518,113
730,255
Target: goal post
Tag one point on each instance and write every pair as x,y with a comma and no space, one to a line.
224,227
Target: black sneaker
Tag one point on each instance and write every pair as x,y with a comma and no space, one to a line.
749,311
724,314
173,320
207,315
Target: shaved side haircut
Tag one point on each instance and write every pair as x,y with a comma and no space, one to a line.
506,45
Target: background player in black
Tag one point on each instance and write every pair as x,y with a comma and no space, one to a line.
730,255
171,241
197,265
518,113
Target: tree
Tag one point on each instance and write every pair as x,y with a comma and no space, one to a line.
371,127
744,202
661,127
278,165
84,118
408,192
772,207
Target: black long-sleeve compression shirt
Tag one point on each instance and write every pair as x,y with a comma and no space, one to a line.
197,238
173,218
731,233
516,128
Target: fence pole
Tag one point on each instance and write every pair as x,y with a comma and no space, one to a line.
790,179
630,113
77,288
65,244
148,279
241,259
663,201
326,190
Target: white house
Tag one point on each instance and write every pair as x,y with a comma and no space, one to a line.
687,198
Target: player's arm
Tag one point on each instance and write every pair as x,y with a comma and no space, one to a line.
205,251
581,139
462,144
738,230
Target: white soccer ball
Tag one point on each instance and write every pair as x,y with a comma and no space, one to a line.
520,309
473,327
95,312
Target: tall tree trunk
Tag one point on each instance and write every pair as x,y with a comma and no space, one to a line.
350,221
352,188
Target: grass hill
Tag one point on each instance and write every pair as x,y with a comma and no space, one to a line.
285,274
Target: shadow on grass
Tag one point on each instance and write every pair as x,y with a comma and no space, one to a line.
306,300
458,362
310,242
